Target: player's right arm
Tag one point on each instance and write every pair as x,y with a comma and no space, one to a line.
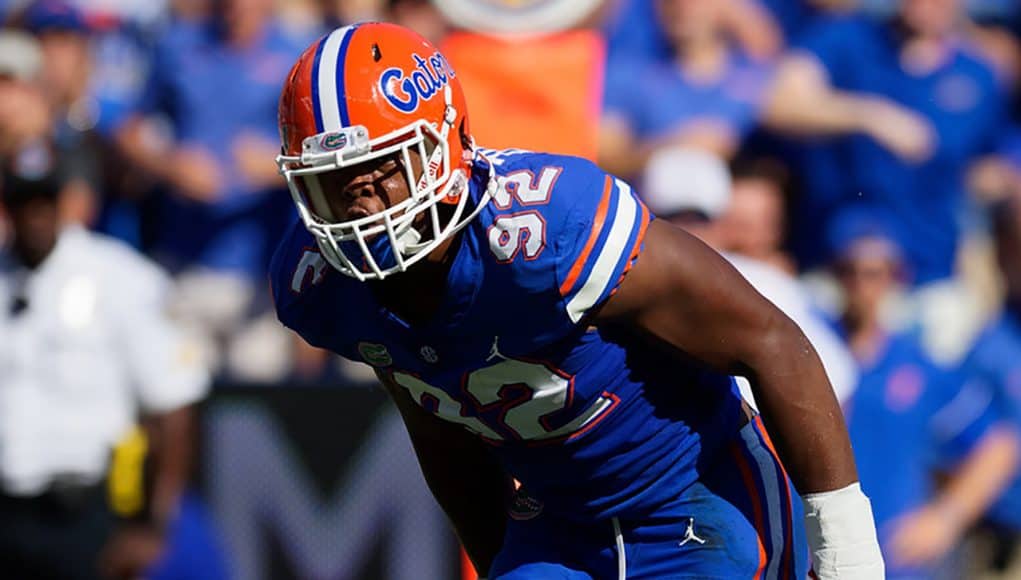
684,296
462,475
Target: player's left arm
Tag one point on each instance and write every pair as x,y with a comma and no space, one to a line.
685,296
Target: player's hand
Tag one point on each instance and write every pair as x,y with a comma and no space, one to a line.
993,179
903,132
924,537
196,174
131,551
253,156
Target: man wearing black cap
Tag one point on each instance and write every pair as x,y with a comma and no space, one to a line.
84,348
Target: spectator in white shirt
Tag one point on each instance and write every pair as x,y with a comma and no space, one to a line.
86,351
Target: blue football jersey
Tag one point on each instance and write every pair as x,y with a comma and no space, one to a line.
594,421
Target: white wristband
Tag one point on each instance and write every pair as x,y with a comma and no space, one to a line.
842,535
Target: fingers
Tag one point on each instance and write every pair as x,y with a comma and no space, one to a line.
921,539
902,131
196,174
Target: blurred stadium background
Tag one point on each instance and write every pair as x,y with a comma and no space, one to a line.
867,152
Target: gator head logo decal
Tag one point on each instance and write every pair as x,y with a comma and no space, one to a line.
375,354
406,89
333,141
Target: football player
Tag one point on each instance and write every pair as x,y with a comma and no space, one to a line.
534,323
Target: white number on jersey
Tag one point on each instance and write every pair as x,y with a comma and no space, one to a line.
444,405
524,186
523,231
540,392
309,272
512,233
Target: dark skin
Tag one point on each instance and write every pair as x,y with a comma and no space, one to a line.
1007,230
371,188
35,224
681,295
133,547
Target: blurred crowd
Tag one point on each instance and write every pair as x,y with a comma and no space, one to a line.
858,160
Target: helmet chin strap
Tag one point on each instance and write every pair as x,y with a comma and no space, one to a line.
436,157
409,242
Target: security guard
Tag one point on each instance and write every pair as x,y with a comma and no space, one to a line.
85,351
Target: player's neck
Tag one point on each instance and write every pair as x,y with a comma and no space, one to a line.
417,294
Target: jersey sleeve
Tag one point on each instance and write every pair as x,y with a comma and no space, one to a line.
296,270
602,239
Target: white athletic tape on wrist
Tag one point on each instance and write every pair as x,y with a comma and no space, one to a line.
842,535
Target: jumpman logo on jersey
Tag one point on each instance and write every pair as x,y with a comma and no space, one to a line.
689,534
494,351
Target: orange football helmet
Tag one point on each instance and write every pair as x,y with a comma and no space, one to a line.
360,93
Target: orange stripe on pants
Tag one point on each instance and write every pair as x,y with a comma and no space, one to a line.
753,492
788,523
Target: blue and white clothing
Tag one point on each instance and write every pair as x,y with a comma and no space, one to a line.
907,420
593,422
730,101
996,361
213,95
963,101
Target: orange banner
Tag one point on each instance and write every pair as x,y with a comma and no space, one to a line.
539,93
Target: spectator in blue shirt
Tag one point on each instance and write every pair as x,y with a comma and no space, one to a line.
216,82
909,106
908,421
65,38
795,16
706,95
996,360
633,31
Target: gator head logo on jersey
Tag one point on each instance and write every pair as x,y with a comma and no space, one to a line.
376,355
359,94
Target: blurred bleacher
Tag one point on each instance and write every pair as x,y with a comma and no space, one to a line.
167,110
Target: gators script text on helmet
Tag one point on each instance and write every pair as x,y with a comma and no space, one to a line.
361,93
